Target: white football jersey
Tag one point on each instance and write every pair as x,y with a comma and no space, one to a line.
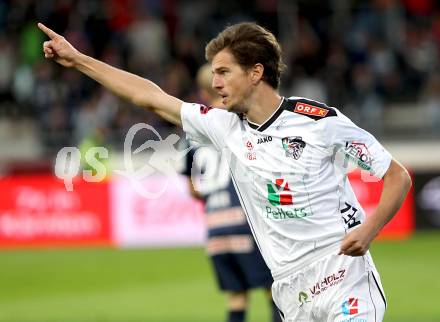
290,174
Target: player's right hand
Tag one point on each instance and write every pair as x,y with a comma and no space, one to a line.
58,48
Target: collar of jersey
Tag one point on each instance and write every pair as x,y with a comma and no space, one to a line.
271,119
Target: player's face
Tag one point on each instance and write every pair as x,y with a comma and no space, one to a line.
231,81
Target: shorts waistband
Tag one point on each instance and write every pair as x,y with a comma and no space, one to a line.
306,260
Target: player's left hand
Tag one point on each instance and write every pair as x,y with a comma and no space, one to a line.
357,242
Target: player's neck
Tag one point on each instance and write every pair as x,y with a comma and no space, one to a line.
262,104
217,102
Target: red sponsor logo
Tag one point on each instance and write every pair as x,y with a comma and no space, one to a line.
279,194
350,307
307,109
249,145
205,109
251,156
285,198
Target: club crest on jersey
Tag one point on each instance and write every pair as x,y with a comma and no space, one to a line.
294,146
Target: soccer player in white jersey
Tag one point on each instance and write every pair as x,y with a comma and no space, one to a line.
287,158
236,260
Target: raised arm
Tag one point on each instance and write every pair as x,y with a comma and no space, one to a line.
396,184
135,89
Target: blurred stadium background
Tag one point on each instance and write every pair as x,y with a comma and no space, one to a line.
103,252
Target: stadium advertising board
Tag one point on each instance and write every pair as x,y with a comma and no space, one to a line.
368,194
158,213
38,211
427,200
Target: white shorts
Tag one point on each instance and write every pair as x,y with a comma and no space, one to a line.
337,288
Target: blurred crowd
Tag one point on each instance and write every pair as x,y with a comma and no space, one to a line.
360,56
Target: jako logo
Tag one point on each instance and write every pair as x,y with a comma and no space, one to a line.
350,307
278,193
264,139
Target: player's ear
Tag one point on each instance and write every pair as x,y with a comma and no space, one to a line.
257,73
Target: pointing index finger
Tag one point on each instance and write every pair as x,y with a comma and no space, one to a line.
49,32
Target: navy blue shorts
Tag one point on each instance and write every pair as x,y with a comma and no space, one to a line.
241,271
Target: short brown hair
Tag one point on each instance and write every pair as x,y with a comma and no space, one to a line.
250,44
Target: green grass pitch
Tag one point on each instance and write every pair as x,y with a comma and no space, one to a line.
176,285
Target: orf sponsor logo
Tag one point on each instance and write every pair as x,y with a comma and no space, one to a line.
278,193
307,109
350,307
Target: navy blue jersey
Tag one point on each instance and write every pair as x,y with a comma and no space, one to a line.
235,256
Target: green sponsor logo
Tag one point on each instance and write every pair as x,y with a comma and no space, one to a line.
291,213
303,298
278,193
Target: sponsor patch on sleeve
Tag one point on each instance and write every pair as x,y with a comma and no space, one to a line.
310,110
205,109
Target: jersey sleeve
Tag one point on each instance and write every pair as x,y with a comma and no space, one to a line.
205,125
356,145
